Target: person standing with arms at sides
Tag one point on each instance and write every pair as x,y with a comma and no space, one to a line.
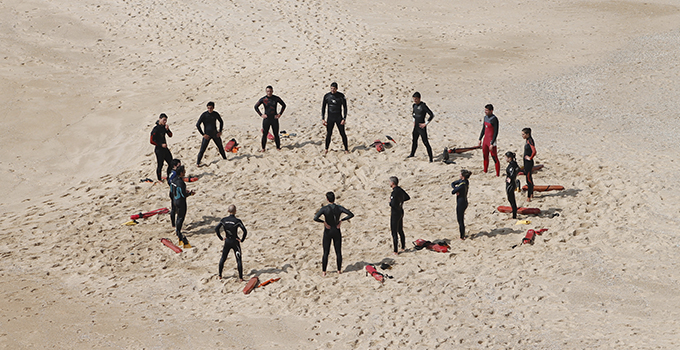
420,110
179,196
231,241
331,232
511,181
270,117
460,189
162,151
209,120
489,134
397,199
337,114
176,163
529,154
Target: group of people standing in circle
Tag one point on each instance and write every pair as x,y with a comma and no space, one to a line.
335,104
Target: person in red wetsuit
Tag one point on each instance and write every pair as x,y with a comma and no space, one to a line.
529,154
489,134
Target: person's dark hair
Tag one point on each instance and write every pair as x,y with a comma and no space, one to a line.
416,94
394,180
489,107
180,170
466,173
175,163
211,104
163,116
269,87
334,84
510,154
527,131
330,196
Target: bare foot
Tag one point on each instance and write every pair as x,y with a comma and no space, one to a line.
325,152
240,279
528,199
396,253
278,149
323,274
346,152
262,150
339,272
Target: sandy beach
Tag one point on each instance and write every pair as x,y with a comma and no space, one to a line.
84,82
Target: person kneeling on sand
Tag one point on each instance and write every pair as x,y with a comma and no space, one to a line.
231,241
331,232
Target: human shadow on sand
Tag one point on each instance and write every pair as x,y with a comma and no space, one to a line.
271,270
495,232
204,226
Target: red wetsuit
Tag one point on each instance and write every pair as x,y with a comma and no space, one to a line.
489,134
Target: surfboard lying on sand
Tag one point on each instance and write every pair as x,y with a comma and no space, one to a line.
523,211
534,169
171,245
149,214
543,188
252,283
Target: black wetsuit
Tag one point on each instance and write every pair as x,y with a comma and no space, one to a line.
270,105
179,197
231,225
173,210
511,185
209,121
337,113
460,188
419,112
162,153
530,151
331,215
397,199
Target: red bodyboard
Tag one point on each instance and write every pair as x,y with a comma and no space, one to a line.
431,246
529,238
170,245
371,269
252,283
379,145
523,211
269,135
231,145
534,169
544,188
149,214
464,149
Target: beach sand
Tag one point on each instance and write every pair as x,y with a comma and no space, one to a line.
84,82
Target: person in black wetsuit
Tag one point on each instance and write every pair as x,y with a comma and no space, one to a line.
179,196
173,174
331,232
270,117
209,120
420,110
231,241
337,114
158,139
529,154
511,181
460,189
397,199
